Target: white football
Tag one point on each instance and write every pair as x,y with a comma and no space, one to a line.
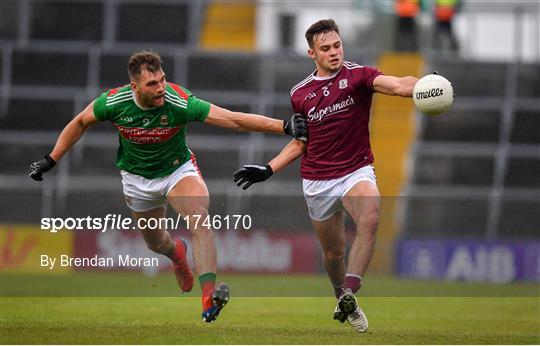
433,94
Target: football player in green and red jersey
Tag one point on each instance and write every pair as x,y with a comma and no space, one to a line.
157,167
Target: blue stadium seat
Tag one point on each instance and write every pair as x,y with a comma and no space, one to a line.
446,216
526,127
160,23
528,80
291,71
49,69
454,170
523,172
489,78
463,125
217,164
36,114
283,112
17,158
24,201
9,20
230,73
82,204
96,161
77,20
519,218
279,213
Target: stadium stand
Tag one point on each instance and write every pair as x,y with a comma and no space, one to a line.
80,21
50,72
8,20
474,171
171,26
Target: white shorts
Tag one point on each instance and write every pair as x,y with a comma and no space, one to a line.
144,194
323,197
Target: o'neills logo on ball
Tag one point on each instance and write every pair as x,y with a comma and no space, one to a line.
427,94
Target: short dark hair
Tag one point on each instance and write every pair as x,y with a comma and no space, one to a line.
147,59
322,26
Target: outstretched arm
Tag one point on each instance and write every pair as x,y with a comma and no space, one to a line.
293,150
243,121
390,85
73,132
296,127
250,174
68,137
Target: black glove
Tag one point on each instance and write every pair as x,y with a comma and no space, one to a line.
296,127
252,174
39,167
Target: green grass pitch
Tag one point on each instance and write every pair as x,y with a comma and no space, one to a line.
151,312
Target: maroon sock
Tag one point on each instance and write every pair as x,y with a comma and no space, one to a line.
352,282
338,290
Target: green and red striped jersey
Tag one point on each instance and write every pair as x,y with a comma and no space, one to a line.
152,141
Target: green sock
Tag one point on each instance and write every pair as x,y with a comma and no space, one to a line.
207,281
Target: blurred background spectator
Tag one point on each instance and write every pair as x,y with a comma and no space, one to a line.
444,37
406,13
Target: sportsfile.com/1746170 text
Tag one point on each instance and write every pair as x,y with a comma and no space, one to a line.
119,222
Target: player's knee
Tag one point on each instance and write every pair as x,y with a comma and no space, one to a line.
370,221
334,256
196,207
198,215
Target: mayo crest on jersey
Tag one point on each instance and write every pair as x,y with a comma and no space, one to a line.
152,141
337,110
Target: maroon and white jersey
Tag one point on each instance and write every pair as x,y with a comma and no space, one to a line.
337,110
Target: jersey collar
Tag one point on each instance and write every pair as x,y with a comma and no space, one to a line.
315,77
